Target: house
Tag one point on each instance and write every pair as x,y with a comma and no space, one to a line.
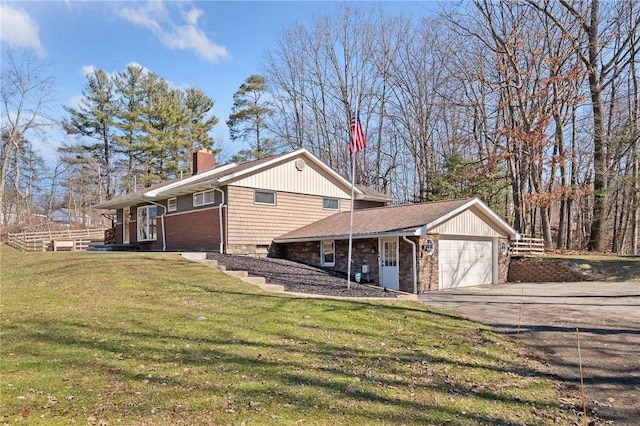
296,207
235,209
413,248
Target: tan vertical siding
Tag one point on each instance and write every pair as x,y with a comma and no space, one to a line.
287,178
257,224
466,223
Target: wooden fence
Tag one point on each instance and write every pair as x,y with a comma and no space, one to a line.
527,245
71,239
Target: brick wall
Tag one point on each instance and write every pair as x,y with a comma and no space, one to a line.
118,233
539,271
196,230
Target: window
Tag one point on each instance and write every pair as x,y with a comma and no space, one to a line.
204,198
428,246
172,204
330,203
327,253
264,197
147,223
390,253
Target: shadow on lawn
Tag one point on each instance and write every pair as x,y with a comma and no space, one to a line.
310,373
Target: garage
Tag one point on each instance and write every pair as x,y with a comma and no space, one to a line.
465,262
414,248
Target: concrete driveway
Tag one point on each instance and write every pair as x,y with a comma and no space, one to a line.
607,315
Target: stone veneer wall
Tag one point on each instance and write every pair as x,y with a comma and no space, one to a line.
428,271
503,261
405,263
364,251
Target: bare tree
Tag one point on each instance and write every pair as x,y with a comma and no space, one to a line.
25,93
595,35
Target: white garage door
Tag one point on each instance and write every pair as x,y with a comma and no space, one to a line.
464,263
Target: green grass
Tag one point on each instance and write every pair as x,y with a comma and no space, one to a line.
131,338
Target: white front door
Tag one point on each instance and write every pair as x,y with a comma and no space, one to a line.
389,262
126,218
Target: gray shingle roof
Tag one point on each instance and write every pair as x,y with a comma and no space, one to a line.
375,221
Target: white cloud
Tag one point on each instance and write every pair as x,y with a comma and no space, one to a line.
192,16
19,29
75,101
87,70
184,35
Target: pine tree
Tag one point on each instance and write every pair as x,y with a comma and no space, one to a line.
95,119
130,85
248,119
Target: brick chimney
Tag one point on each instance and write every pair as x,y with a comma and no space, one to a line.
203,159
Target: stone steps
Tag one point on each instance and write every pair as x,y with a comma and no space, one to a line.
243,275
194,256
237,274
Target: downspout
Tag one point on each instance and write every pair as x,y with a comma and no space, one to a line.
164,239
415,272
220,220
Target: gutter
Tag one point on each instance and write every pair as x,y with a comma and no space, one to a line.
164,239
417,232
415,272
220,219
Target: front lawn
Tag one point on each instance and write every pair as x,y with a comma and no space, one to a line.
132,338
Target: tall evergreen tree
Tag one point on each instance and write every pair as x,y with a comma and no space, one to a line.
248,119
165,135
144,128
198,105
130,85
95,119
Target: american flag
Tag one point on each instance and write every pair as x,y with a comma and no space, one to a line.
357,136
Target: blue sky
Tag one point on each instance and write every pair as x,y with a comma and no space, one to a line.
212,45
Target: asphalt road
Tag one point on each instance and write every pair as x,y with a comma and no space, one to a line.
607,315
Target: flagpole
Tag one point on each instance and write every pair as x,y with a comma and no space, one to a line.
353,174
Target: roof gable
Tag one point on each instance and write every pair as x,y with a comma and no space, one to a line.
394,220
243,174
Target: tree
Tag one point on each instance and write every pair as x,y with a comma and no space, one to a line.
133,126
95,119
488,96
130,85
248,119
594,37
25,93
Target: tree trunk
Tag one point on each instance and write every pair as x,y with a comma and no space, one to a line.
600,175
